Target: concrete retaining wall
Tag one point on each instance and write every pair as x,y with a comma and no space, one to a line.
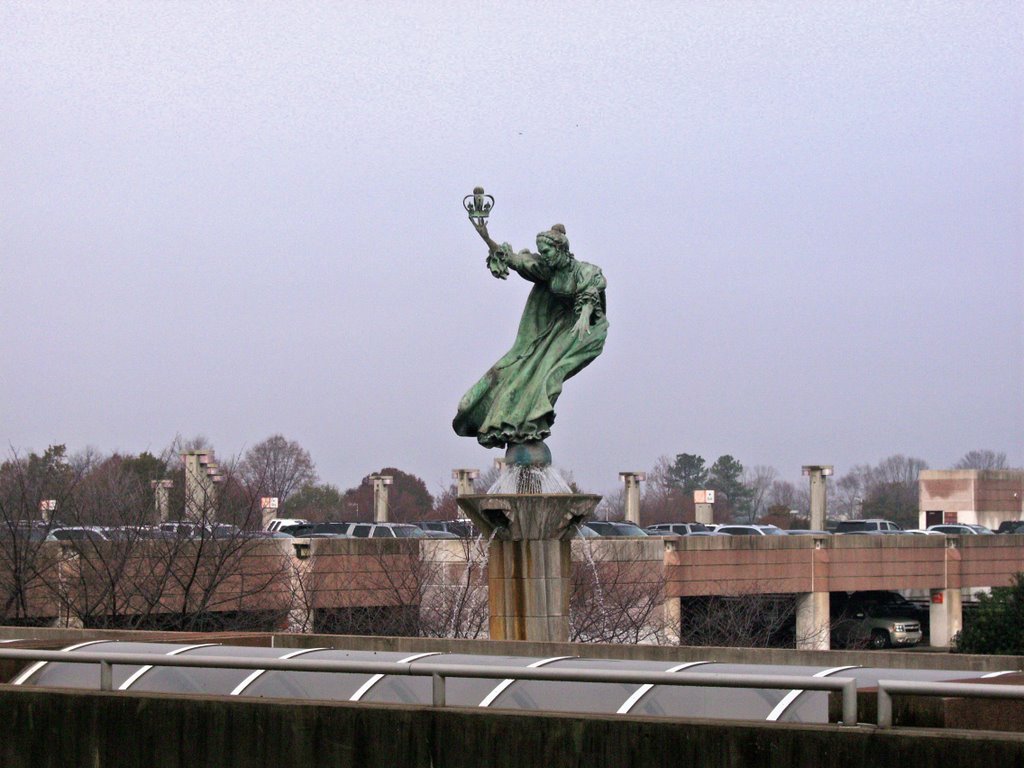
49,728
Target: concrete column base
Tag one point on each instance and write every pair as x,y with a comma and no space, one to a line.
672,615
946,617
812,622
528,590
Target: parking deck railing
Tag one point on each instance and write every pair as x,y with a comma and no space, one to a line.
439,672
886,688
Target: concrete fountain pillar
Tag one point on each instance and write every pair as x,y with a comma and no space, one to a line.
464,480
380,497
632,481
529,560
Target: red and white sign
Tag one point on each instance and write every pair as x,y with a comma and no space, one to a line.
268,502
703,497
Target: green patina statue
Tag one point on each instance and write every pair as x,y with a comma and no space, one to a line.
562,330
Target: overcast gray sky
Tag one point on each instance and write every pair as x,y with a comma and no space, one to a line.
238,219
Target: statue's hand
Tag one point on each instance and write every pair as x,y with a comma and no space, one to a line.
582,327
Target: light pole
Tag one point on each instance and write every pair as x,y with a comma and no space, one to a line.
817,473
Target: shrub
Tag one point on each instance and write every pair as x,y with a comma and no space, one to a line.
997,626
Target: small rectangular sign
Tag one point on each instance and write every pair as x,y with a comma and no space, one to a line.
703,497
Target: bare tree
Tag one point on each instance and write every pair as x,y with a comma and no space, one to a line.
759,480
744,620
33,489
662,500
417,588
617,593
982,459
277,467
892,490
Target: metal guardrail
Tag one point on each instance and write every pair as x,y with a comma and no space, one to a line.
920,688
439,672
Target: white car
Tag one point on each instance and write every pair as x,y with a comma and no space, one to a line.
751,530
960,529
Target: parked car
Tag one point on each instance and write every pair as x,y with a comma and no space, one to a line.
280,522
298,531
873,620
386,531
24,531
77,533
136,533
609,528
460,528
1011,526
960,529
320,530
861,526
806,532
751,530
676,529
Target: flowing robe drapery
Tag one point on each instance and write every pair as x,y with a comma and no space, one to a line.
514,401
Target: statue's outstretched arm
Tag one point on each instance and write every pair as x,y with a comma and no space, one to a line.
497,255
481,229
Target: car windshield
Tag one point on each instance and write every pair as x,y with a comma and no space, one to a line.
408,532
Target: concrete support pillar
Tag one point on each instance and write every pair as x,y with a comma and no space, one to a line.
812,622
464,480
380,497
946,617
202,478
268,508
162,499
672,615
529,583
817,473
704,506
632,481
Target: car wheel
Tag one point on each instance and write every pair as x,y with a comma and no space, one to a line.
880,639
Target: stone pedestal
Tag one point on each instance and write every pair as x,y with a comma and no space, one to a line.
529,560
528,585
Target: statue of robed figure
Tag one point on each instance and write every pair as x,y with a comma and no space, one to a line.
563,328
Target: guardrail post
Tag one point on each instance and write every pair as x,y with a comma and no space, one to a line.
438,700
850,703
106,676
884,707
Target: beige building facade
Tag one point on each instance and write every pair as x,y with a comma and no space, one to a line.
978,496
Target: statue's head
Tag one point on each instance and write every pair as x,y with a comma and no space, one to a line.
553,247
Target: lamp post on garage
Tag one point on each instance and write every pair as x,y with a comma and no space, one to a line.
818,473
